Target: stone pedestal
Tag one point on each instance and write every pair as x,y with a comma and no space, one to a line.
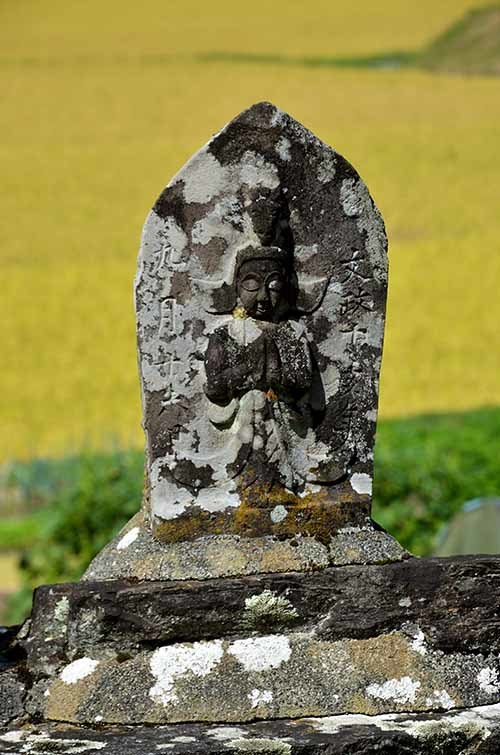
135,554
340,646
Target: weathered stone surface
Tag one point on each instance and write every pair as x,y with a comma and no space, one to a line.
135,554
268,677
468,732
12,686
416,635
454,601
12,693
260,300
364,545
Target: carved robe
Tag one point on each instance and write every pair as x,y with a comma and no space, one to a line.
259,376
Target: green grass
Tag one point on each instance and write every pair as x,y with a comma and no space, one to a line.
470,45
388,60
426,468
19,532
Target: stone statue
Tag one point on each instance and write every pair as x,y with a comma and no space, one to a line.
259,374
260,301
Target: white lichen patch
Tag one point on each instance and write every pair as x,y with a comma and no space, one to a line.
283,149
267,607
167,500
402,690
203,176
405,602
327,168
352,197
440,699
260,697
42,742
255,745
255,170
489,681
128,539
261,653
278,513
227,221
224,733
59,626
172,662
361,483
218,499
333,724
78,670
418,643
13,736
61,610
473,722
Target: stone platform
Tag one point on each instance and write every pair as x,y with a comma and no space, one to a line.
134,553
467,732
419,635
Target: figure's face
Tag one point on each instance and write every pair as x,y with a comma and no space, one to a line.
263,289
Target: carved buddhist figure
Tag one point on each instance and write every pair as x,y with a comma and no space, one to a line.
259,370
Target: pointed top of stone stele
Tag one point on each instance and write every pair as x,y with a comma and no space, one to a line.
260,301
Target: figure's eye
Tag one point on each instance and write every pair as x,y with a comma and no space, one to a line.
250,283
276,284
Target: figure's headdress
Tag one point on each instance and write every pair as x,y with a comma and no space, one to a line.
255,252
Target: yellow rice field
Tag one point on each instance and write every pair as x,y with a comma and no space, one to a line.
103,101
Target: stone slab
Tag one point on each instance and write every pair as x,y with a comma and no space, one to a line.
473,731
135,554
455,601
421,634
272,676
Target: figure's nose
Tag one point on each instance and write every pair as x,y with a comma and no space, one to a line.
263,294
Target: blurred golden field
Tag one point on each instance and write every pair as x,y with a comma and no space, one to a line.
102,102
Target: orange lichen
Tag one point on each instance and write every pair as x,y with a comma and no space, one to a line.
315,514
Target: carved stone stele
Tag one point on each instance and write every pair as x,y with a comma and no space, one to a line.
260,302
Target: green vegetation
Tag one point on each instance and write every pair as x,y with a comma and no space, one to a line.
388,60
92,497
20,532
471,45
425,469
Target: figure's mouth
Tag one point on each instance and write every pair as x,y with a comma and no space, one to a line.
262,308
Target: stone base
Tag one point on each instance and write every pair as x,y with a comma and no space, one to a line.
136,554
474,731
417,635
